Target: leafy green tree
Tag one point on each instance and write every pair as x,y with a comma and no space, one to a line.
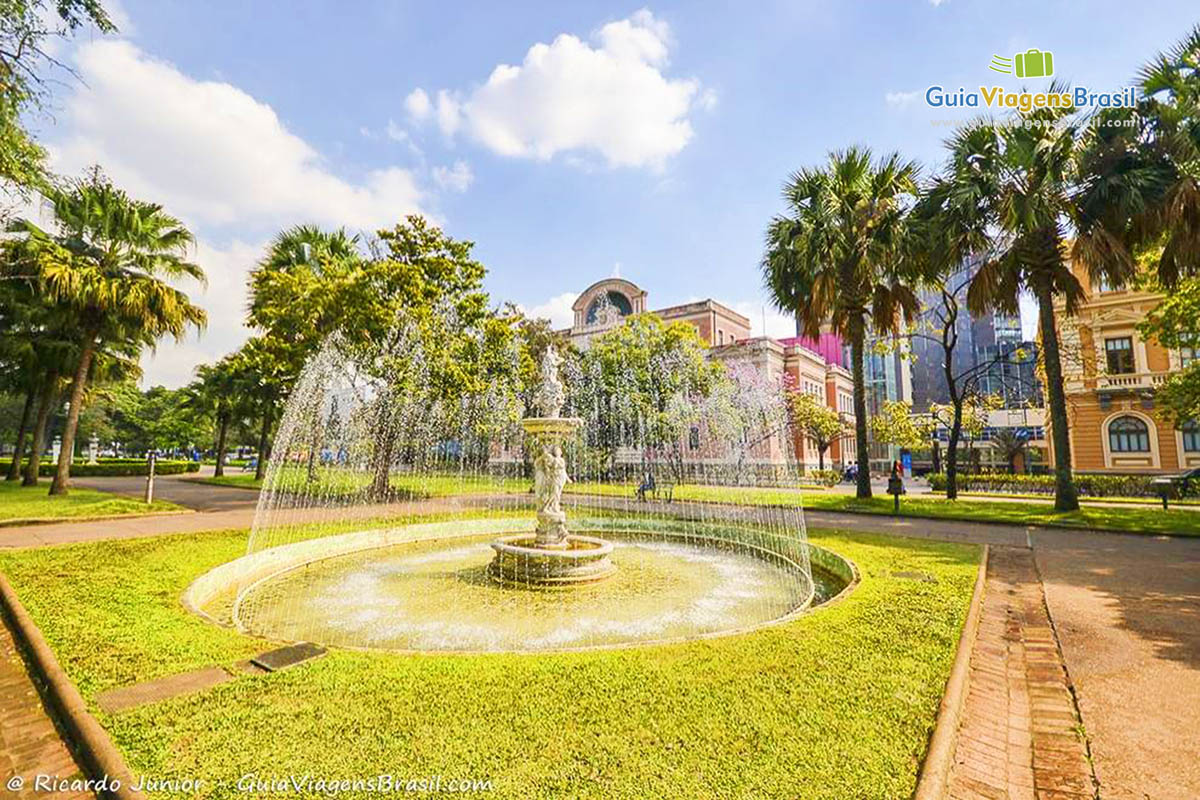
27,28
642,383
1021,197
837,257
1175,323
897,424
816,421
106,264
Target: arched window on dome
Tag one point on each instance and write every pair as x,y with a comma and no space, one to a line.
604,304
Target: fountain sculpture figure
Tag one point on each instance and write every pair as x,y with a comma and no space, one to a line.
553,556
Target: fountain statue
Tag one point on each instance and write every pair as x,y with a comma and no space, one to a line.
552,556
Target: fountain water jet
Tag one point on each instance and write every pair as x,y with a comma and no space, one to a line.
552,556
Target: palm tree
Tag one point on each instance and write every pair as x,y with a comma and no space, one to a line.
1026,199
105,263
216,393
836,257
1167,145
1011,443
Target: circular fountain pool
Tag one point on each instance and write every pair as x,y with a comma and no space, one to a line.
437,594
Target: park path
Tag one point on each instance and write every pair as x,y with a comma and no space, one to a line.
29,743
1019,732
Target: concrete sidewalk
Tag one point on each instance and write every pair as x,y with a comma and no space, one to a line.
1127,613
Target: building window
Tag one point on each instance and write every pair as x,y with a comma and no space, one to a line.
1128,435
720,336
1119,352
1187,355
1191,436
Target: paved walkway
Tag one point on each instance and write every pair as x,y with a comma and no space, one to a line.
182,489
1127,613
29,743
1019,734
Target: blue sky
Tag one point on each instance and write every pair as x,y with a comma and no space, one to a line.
653,140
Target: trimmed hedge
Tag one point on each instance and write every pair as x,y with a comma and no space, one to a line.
120,467
1088,485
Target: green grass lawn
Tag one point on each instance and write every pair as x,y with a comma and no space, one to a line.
838,703
33,504
1134,519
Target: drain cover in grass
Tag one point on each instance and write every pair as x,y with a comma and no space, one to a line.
290,656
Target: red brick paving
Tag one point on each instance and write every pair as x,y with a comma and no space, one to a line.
29,742
1018,738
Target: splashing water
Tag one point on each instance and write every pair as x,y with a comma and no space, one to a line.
381,496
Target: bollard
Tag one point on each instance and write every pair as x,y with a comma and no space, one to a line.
150,479
896,506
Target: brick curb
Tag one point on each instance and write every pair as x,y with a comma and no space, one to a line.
935,770
98,755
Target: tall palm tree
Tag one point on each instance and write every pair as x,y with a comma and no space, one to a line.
1167,142
106,263
216,393
836,257
1021,197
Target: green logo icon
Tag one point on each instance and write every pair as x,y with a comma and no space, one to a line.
1033,63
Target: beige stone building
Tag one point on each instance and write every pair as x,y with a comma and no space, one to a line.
1110,374
813,367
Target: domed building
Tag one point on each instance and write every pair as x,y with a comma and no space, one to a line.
813,366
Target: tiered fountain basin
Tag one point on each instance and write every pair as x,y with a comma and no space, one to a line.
427,587
519,561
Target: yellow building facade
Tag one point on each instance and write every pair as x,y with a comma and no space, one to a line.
1110,374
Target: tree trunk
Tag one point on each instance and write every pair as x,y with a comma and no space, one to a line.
937,456
45,404
62,476
1066,497
952,454
857,342
264,438
14,469
222,432
821,458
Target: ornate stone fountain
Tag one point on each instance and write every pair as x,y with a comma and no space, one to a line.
552,556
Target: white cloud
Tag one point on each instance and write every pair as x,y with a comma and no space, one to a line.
224,298
765,320
210,152
417,105
936,3
456,178
222,161
900,99
609,97
557,309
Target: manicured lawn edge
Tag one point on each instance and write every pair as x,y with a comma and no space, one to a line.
91,743
935,769
15,523
673,711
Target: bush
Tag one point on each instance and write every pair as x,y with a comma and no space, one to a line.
1089,485
824,477
121,467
